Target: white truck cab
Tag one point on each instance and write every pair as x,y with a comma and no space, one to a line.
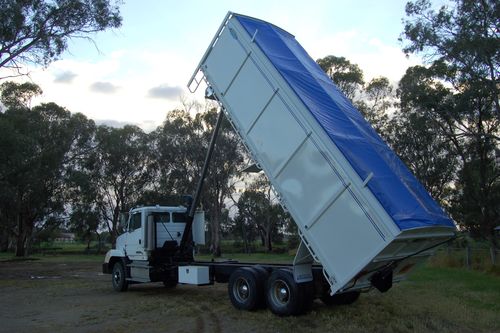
151,236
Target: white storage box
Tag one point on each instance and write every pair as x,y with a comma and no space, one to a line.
197,275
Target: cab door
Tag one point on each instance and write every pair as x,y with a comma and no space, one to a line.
135,243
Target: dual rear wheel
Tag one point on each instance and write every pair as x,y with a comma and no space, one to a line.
251,288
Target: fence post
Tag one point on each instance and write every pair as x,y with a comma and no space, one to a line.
467,256
493,255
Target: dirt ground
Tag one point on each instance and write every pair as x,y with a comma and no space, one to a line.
51,296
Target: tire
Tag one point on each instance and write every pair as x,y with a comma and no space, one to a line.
263,275
341,299
245,289
118,277
307,291
285,297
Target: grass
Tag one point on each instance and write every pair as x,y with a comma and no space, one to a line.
434,299
55,257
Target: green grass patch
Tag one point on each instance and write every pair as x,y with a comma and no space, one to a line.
57,258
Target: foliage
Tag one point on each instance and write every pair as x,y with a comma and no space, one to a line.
417,139
181,144
374,100
258,207
458,93
18,95
376,104
227,159
122,168
37,32
346,75
179,153
38,144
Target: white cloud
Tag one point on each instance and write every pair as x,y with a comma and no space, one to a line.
164,91
104,87
116,87
65,77
374,57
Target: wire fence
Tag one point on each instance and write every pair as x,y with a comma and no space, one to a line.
468,256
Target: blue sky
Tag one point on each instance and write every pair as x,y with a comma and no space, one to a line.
139,72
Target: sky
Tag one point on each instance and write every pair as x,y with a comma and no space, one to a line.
137,73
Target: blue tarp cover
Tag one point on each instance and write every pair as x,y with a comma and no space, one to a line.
398,191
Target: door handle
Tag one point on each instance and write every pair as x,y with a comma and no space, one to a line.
139,241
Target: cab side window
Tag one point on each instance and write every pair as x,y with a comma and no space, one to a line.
179,217
135,222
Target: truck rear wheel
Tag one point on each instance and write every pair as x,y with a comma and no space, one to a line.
118,277
341,299
285,297
246,289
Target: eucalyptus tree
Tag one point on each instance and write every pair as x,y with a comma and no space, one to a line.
180,145
38,146
122,167
259,206
346,75
458,92
37,32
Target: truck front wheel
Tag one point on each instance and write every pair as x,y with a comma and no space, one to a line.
118,277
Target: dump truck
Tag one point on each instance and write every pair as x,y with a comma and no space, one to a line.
364,220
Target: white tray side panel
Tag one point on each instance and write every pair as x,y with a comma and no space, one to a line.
341,233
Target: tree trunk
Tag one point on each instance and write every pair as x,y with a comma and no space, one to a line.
98,243
244,236
4,241
262,238
20,250
493,254
215,233
269,244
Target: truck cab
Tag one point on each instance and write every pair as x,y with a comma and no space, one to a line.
144,251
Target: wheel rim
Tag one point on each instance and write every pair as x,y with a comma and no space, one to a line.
280,292
241,290
117,277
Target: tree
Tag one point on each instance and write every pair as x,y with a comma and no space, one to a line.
179,153
346,75
420,143
376,104
242,227
258,206
181,144
122,167
37,32
459,92
83,196
219,184
38,145
19,95
85,223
